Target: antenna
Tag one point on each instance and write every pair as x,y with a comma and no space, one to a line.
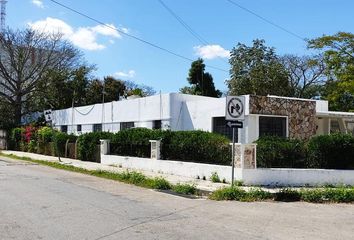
3,14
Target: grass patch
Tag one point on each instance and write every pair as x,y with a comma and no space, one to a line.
319,195
130,177
215,177
322,195
331,194
186,189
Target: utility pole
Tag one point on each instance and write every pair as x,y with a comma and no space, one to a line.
3,15
103,112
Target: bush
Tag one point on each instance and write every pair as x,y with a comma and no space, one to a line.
134,142
229,193
88,145
16,138
215,177
186,189
280,152
335,151
160,183
59,141
328,195
32,146
196,146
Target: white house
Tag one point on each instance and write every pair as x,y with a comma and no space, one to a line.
290,117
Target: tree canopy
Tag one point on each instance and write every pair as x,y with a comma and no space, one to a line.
257,70
201,82
26,58
338,50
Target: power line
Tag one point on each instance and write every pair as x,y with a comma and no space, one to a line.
132,36
186,26
266,20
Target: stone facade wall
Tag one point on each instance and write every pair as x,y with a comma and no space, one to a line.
301,113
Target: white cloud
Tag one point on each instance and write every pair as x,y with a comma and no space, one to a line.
106,30
128,74
211,51
83,37
38,3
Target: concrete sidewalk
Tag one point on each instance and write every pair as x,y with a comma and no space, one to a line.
204,185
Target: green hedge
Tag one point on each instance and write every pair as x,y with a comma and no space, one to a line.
280,152
331,151
196,146
88,145
335,151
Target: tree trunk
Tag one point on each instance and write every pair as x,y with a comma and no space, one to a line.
18,110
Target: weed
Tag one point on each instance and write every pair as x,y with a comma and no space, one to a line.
160,183
215,177
185,189
229,193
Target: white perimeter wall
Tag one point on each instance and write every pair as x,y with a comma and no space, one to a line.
185,169
260,176
142,111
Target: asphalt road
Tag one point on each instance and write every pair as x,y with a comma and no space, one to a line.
38,202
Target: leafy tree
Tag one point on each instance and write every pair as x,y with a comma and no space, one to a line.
63,87
257,70
201,82
339,58
94,92
138,89
306,75
113,88
26,57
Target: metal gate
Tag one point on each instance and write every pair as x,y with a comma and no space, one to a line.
3,140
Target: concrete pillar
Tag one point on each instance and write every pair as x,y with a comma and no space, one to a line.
105,146
155,149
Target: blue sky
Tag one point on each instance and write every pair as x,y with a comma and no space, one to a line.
219,22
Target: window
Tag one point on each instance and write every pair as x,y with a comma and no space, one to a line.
126,125
97,127
219,126
64,128
273,126
78,128
156,124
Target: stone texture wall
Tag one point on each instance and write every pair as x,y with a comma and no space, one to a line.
301,113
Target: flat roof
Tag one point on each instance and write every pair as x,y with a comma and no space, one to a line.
335,114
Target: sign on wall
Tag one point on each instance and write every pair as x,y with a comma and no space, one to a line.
235,108
48,115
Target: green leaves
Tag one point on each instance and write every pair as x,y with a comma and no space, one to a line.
257,70
201,82
339,58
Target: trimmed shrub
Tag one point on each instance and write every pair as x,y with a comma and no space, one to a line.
16,138
59,141
134,142
88,145
273,152
45,137
196,146
335,151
